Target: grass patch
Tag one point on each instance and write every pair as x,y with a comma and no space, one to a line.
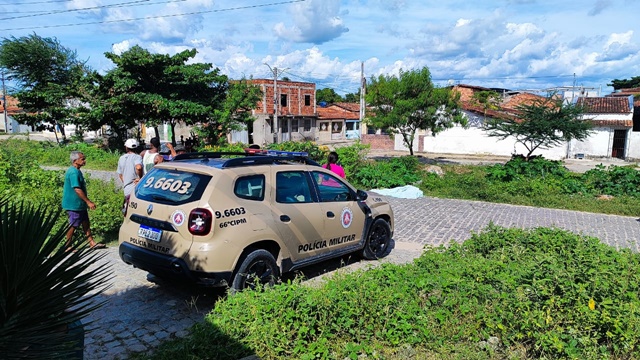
470,182
503,294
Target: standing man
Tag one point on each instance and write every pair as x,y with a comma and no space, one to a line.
129,169
76,202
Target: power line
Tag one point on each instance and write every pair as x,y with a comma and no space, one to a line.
36,2
157,16
125,4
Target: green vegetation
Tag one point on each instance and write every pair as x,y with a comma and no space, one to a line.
504,293
44,291
541,183
24,180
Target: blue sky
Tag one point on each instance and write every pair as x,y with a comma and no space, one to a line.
514,44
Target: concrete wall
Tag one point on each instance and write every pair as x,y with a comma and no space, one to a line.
474,140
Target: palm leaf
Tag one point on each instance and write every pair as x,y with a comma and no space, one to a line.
43,289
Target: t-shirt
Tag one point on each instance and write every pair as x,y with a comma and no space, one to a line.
336,169
148,161
73,179
127,168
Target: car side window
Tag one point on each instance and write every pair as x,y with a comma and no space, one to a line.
331,188
292,187
250,187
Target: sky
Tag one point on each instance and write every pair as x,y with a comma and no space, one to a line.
529,45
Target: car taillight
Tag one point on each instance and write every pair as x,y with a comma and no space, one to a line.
200,221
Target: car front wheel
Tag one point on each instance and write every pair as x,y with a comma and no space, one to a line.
257,268
378,240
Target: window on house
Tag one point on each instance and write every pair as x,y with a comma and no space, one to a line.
307,124
324,126
283,100
307,100
294,125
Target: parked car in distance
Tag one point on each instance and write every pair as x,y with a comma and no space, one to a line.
235,219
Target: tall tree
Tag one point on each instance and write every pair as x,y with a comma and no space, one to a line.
48,77
159,89
409,102
235,112
327,95
634,82
543,124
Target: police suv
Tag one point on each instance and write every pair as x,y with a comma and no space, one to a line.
235,219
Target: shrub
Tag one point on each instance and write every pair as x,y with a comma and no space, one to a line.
317,153
614,180
388,173
43,289
519,168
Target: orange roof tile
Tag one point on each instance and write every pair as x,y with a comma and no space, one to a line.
605,105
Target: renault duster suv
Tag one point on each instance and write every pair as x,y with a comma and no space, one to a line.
235,221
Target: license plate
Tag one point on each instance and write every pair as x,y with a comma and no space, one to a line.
150,233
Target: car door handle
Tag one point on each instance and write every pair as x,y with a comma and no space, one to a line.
330,214
285,218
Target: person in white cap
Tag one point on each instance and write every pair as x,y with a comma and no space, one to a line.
129,169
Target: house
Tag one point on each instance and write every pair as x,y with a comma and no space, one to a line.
294,107
338,121
7,111
613,135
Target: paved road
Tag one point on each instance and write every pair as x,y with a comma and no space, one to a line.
140,313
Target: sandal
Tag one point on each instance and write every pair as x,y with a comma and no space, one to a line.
98,246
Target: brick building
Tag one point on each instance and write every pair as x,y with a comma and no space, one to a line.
296,112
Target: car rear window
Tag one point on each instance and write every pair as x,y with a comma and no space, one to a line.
171,187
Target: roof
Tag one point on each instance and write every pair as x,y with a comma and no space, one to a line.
506,108
342,110
606,105
11,105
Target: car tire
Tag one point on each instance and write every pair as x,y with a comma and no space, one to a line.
258,265
378,240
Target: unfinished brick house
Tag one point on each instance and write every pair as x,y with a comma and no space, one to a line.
295,106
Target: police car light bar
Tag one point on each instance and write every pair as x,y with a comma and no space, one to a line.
287,153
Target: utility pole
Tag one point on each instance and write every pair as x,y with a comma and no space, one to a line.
363,89
4,106
276,126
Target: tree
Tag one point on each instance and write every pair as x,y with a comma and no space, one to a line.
158,89
634,82
542,125
48,76
488,100
234,113
352,97
410,102
328,96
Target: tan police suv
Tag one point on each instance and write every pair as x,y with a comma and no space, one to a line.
229,219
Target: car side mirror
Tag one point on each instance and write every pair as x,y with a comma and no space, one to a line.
362,195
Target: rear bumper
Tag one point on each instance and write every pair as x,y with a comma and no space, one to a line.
170,266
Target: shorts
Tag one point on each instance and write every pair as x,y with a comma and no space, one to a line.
76,218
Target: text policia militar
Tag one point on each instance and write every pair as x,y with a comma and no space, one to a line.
321,244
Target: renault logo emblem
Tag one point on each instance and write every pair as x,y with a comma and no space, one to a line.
150,209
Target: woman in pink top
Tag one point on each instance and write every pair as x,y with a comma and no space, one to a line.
331,164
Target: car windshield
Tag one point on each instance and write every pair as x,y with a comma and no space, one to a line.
171,187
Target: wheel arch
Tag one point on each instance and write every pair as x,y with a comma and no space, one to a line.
269,245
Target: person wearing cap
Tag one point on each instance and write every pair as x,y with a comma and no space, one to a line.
152,156
129,169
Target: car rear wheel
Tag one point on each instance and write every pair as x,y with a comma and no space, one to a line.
378,240
258,268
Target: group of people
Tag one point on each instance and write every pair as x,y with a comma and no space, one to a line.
131,168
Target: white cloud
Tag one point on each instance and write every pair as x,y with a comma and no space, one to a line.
315,21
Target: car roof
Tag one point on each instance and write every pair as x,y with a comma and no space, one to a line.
216,159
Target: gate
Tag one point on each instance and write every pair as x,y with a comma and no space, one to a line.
619,142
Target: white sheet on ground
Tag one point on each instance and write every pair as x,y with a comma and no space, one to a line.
403,192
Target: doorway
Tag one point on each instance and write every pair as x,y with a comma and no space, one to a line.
619,142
